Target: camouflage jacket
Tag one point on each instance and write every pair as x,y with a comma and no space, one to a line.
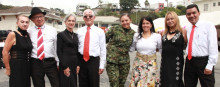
119,42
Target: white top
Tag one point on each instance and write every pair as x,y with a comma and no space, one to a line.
204,42
97,43
146,46
2,44
49,41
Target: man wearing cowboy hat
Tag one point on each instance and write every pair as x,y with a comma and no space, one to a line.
43,38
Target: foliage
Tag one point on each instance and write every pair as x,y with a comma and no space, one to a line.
3,7
182,9
107,11
136,17
128,5
62,14
146,3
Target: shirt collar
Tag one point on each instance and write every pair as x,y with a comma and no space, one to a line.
68,31
198,23
90,26
42,27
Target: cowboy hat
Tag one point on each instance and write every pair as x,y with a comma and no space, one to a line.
36,10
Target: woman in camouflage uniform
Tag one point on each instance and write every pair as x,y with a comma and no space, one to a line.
119,39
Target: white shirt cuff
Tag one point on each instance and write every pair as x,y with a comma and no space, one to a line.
209,66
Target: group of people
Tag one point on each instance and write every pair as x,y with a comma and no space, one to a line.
35,52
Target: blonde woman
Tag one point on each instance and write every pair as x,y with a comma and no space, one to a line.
16,54
173,43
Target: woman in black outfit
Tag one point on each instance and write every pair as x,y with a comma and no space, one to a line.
172,61
67,51
17,63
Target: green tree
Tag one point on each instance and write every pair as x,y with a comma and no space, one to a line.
62,14
164,11
182,9
128,5
3,7
107,11
146,3
136,17
100,2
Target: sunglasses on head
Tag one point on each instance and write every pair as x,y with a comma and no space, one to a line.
88,16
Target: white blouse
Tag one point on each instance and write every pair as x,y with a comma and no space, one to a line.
146,46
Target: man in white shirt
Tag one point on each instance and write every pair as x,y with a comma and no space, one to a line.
43,38
92,47
202,50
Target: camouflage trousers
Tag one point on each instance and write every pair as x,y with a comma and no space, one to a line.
117,74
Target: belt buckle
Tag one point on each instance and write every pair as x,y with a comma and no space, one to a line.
145,58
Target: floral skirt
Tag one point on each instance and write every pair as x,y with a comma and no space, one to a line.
144,73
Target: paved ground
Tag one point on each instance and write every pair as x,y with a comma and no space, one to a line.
104,78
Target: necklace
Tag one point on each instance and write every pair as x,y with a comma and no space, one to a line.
172,32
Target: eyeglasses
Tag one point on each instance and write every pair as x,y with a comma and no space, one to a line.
37,17
88,16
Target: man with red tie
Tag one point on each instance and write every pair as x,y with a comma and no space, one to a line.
43,38
202,50
92,47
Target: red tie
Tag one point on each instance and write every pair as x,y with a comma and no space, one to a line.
190,43
40,45
86,45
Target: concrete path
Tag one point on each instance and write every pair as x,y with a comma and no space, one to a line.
104,82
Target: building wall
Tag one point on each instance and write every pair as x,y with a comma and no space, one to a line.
9,23
184,2
159,6
207,5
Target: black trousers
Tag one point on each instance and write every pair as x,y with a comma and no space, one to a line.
40,68
89,72
194,70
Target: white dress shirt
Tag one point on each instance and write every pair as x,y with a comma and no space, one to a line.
146,46
204,42
97,43
2,44
49,40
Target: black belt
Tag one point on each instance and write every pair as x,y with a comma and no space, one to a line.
200,57
45,59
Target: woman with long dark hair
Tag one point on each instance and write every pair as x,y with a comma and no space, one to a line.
145,42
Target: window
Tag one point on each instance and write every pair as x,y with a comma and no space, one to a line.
206,7
83,25
214,4
96,25
59,22
218,3
76,26
114,24
104,25
49,21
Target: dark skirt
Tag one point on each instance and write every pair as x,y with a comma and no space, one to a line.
20,73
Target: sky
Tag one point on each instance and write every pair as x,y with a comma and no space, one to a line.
69,6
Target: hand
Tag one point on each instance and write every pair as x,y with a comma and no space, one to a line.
101,71
67,71
77,69
58,68
8,72
207,72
